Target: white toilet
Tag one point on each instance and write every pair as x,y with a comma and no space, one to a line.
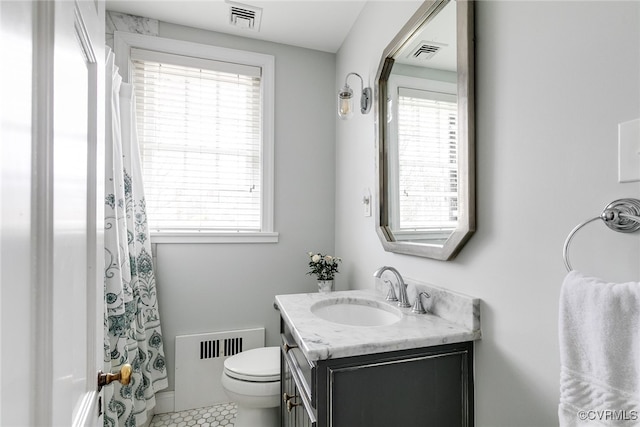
251,379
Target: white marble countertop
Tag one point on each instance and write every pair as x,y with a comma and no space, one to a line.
321,339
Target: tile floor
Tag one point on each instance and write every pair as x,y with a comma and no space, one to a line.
213,416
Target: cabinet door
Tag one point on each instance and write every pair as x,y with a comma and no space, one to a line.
292,409
301,416
427,390
288,388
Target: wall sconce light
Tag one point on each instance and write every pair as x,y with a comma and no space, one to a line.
345,99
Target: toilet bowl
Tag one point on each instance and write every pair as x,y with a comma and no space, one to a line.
251,379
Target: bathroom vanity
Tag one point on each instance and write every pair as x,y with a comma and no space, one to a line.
376,369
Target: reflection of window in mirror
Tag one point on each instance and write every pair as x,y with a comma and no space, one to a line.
423,155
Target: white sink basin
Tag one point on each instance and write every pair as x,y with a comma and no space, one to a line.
356,312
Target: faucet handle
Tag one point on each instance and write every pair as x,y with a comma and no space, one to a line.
417,306
391,296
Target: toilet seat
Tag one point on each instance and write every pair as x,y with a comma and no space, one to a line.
256,365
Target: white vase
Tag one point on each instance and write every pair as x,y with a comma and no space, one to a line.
325,286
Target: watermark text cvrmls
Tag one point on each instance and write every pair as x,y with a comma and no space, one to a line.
608,415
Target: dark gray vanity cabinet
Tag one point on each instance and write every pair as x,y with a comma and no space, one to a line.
430,386
420,387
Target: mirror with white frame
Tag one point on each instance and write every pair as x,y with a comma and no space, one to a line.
425,128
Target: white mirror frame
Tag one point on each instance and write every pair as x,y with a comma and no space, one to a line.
466,133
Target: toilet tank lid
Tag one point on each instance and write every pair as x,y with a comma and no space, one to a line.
257,362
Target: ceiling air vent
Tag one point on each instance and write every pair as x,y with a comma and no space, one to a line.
425,50
244,16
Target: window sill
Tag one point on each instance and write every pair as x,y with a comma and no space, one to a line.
204,237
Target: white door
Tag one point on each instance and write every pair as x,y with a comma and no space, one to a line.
59,296
78,135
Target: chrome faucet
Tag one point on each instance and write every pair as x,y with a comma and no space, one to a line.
402,287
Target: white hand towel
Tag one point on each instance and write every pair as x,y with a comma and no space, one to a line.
599,328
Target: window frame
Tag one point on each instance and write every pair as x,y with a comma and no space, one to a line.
124,42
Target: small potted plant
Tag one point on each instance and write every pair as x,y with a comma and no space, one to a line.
324,267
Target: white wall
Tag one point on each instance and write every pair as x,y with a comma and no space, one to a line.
553,81
214,287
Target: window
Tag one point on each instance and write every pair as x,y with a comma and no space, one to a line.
428,170
423,157
204,120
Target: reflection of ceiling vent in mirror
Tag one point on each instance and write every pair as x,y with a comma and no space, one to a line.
244,16
425,50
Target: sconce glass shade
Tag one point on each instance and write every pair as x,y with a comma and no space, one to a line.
345,99
345,103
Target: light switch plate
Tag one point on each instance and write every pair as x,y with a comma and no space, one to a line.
629,151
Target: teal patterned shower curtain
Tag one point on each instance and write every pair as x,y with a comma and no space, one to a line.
131,319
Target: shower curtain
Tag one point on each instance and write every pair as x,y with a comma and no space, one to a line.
131,319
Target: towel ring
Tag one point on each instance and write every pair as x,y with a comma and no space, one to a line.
621,215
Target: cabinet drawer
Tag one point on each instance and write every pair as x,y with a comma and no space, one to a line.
300,364
305,368
297,410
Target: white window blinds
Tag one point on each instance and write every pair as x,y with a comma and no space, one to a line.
200,134
427,160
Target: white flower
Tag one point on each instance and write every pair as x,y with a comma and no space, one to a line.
328,258
315,258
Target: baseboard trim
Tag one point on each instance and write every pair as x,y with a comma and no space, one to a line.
165,402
